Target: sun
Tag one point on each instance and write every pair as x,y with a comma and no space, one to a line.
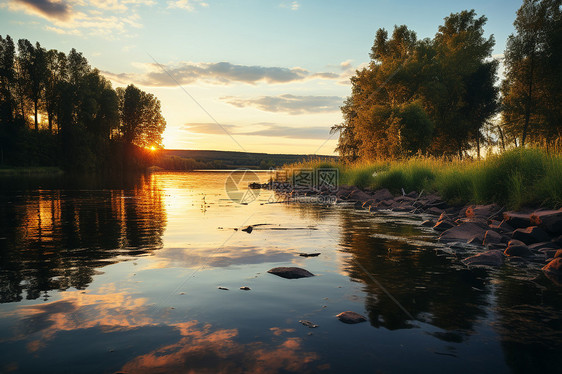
152,148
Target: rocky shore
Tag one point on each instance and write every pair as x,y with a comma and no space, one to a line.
528,236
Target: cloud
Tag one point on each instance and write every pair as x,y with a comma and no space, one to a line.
100,17
288,103
50,9
260,129
293,5
188,5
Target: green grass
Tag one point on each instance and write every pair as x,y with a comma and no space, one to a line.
516,178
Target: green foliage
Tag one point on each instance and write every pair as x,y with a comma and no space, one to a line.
84,126
430,96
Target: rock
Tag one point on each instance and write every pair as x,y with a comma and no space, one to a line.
488,258
548,253
434,210
476,240
290,272
517,248
222,288
351,317
482,222
550,220
403,207
484,211
558,253
543,245
502,227
553,270
381,195
462,233
245,288
530,235
492,237
309,254
412,194
248,229
359,195
308,324
443,225
517,220
427,223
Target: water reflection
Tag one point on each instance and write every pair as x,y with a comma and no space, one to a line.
429,287
55,239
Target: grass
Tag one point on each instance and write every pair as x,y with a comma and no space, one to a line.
515,179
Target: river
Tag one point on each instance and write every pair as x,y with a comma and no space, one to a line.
105,276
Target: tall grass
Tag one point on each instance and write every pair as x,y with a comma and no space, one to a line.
516,178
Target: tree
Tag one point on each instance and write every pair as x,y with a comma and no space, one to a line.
57,67
142,123
33,69
531,90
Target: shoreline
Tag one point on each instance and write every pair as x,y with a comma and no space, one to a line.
526,237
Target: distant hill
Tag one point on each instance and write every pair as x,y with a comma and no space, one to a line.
198,159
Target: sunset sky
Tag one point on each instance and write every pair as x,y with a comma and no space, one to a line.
273,74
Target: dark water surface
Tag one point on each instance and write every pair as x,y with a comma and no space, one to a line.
100,276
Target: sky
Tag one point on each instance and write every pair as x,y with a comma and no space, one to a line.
245,75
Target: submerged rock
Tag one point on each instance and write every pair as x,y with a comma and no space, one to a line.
443,225
553,270
463,233
518,250
245,288
291,272
488,258
308,324
309,254
248,229
492,237
351,317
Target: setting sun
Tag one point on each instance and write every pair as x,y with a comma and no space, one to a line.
152,148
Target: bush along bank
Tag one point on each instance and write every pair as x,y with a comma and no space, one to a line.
487,235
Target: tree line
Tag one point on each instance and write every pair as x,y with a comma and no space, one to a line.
56,110
440,96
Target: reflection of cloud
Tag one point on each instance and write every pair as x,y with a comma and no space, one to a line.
224,73
226,256
197,346
217,352
261,129
292,104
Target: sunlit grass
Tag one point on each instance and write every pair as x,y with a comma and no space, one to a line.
517,178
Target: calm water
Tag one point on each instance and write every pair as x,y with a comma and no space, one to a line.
121,276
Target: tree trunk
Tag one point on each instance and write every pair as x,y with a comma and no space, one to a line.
478,144
502,138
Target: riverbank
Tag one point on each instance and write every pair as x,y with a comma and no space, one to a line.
515,179
31,171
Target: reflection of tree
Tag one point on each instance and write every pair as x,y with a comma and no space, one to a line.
529,321
427,285
54,239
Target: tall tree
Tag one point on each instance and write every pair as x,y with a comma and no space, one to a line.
33,65
142,123
57,68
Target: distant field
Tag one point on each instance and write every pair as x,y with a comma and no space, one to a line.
197,159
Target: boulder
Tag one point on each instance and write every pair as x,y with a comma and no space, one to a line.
517,220
517,248
462,233
434,210
482,222
358,195
443,225
543,245
502,227
291,272
550,220
484,211
351,317
530,235
553,270
488,258
383,194
492,237
427,223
